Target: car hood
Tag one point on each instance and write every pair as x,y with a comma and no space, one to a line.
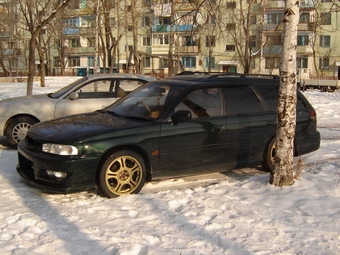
22,99
76,127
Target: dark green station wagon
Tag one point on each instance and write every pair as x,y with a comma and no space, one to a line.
182,125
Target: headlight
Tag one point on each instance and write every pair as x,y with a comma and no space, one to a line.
60,149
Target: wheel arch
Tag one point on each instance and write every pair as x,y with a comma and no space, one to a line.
130,147
296,149
18,116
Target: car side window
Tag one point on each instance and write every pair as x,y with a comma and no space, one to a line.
203,103
241,100
97,89
126,86
270,95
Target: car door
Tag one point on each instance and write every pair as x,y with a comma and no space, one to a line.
92,96
195,145
249,126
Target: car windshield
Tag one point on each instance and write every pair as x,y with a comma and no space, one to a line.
147,102
69,87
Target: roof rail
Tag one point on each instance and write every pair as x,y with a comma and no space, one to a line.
195,73
246,75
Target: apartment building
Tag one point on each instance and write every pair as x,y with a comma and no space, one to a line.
167,36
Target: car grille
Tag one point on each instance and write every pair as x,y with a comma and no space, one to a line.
32,145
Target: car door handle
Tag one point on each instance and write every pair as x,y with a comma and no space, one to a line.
219,129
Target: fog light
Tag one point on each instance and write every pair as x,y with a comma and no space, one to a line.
59,175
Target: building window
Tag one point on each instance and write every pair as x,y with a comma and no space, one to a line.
230,48
91,42
88,21
90,61
325,41
163,62
189,62
146,21
164,20
304,17
302,40
212,62
325,18
231,26
113,22
253,41
212,19
302,62
130,28
74,22
147,62
272,63
274,39
56,62
210,41
189,41
146,41
274,18
73,61
57,44
253,19
231,5
160,39
74,43
324,63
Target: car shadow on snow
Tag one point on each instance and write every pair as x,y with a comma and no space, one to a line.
51,220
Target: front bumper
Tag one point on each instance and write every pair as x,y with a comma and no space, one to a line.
81,171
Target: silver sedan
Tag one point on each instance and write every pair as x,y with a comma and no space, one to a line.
87,94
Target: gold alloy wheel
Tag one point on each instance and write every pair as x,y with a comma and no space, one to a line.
123,175
272,153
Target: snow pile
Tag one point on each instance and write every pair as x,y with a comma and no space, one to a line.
238,216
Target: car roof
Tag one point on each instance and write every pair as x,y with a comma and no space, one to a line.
121,75
225,79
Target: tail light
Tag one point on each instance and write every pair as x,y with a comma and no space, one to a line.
312,114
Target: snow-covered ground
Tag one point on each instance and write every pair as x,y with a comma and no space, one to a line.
238,216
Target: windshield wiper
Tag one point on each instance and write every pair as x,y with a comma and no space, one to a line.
136,117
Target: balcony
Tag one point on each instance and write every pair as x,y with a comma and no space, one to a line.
273,27
189,49
274,5
307,4
304,50
71,30
12,52
307,26
160,49
159,28
177,28
81,50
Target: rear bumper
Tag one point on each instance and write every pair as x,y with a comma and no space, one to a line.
307,143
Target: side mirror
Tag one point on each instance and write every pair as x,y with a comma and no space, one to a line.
73,96
181,115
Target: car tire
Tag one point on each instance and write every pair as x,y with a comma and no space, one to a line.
269,156
17,129
123,172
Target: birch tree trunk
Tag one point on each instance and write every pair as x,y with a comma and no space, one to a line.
283,174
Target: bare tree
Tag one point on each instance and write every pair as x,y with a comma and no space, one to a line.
283,173
27,9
